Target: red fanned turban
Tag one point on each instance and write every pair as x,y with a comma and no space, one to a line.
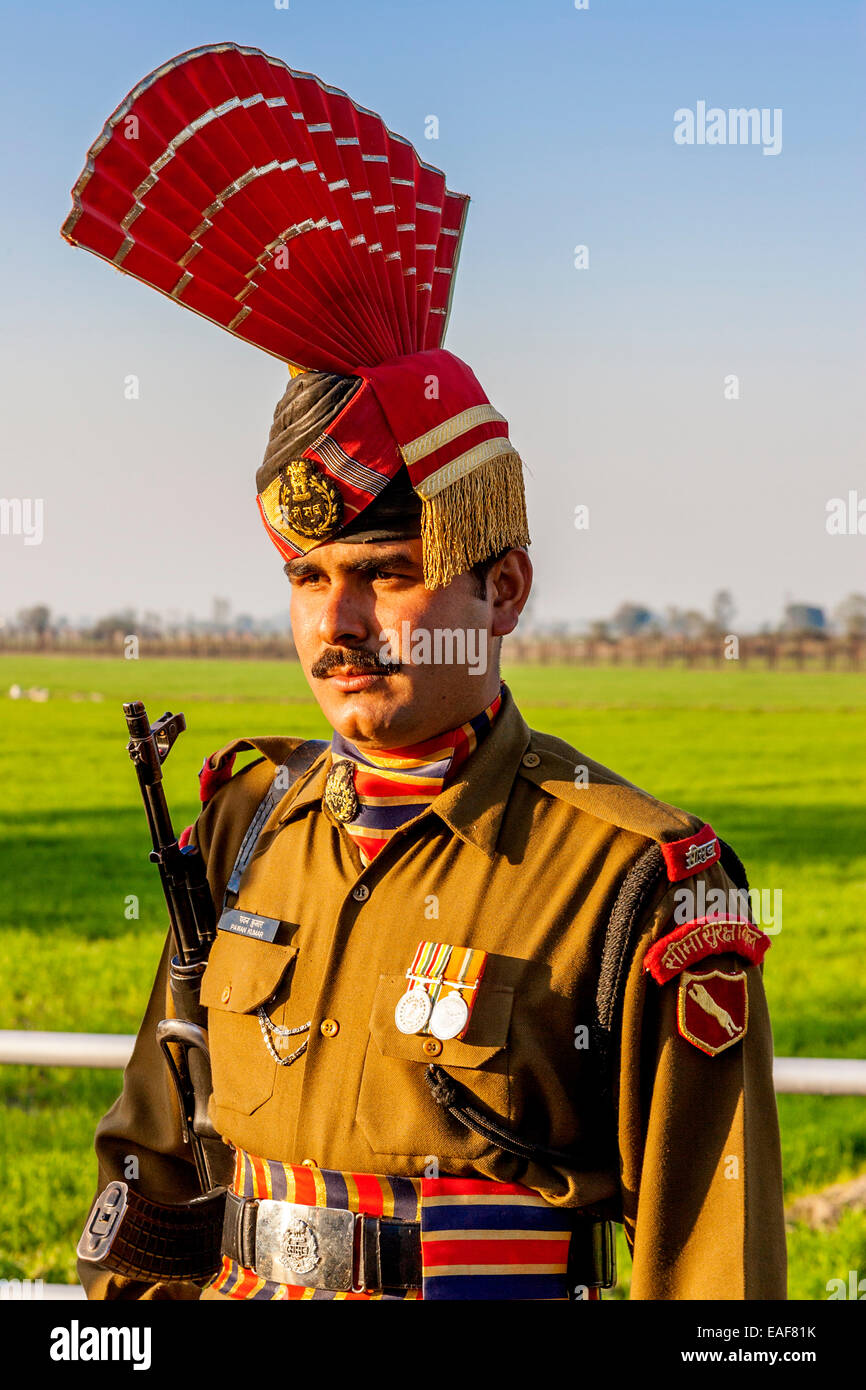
275,206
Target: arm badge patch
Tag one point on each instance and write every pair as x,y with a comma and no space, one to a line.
702,937
713,1009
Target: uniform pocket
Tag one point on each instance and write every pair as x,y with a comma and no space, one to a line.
241,974
396,1111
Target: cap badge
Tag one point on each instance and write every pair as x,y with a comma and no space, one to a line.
309,502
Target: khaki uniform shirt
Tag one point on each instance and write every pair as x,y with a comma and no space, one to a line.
517,859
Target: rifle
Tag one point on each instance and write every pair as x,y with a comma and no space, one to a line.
125,1231
193,927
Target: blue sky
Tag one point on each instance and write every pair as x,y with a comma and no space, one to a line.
704,261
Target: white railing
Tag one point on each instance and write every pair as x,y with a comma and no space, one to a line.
816,1076
25,1047
819,1076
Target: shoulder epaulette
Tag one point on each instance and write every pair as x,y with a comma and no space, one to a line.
217,769
688,845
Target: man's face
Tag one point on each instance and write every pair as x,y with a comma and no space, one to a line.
359,609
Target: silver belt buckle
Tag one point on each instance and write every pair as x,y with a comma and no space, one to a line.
310,1246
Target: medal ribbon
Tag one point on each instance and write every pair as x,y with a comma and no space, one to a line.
428,966
444,967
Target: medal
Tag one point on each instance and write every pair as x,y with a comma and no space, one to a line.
451,974
450,1016
413,1010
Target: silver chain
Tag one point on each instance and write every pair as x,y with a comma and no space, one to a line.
271,1029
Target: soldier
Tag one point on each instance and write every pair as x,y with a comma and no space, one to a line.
468,1001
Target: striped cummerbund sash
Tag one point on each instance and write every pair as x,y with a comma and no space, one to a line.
479,1239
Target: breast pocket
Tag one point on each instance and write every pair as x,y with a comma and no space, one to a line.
242,974
396,1109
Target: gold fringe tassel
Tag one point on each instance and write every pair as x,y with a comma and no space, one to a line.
480,514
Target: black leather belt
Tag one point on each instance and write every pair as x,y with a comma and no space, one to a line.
322,1247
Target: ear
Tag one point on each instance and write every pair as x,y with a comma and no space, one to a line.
509,583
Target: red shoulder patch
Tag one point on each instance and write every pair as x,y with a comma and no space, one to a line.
210,779
705,936
686,857
713,1009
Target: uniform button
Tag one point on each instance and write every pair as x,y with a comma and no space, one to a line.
361,893
329,1027
530,760
309,1163
226,995
432,1046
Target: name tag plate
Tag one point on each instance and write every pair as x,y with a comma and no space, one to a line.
244,923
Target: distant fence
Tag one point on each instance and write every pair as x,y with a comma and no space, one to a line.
815,1076
775,651
772,652
201,646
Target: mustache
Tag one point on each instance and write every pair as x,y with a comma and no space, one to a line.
356,659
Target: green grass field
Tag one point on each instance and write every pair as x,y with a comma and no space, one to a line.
775,761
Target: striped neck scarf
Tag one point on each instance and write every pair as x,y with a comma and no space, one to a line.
394,786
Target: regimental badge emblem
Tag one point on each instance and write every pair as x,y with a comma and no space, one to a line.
340,795
310,503
300,1247
713,1009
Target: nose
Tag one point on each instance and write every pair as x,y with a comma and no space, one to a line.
342,618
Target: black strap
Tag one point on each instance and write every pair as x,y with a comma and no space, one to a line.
239,1230
450,1095
297,763
632,900
390,1253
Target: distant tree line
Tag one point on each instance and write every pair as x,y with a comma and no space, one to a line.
630,620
